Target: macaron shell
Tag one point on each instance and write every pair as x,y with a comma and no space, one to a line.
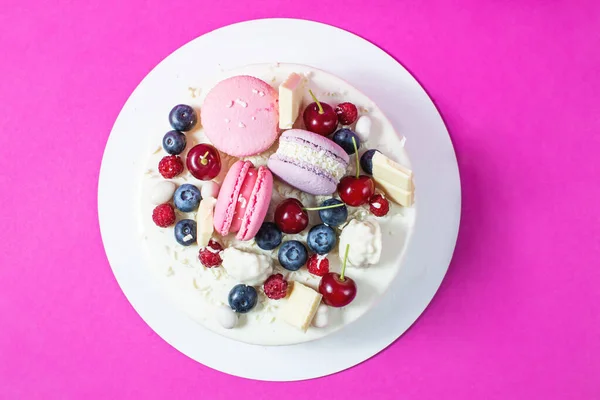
305,180
257,206
240,116
227,200
243,199
318,140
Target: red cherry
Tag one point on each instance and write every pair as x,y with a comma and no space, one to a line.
379,205
290,216
204,162
337,291
356,191
320,117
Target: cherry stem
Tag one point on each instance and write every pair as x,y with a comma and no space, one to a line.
203,159
345,260
316,101
323,207
356,156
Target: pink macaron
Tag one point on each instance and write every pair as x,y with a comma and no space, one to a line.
309,162
240,116
243,200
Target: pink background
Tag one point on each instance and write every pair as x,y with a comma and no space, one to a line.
518,315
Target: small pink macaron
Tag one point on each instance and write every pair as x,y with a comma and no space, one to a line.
243,200
240,116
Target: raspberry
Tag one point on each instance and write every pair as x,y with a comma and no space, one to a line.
379,205
318,265
163,215
347,113
170,166
210,256
275,287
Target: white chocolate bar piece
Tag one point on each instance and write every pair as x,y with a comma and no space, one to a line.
301,306
290,96
204,221
390,171
394,179
403,197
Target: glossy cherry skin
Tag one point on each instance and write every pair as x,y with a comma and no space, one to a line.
290,216
204,162
356,191
337,292
323,124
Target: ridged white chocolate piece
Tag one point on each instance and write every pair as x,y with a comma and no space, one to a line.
394,179
301,306
204,221
290,96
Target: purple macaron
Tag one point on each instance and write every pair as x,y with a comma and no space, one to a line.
309,162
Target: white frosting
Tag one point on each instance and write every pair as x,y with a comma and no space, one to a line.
363,127
364,238
162,192
226,317
199,291
249,268
321,319
210,189
312,156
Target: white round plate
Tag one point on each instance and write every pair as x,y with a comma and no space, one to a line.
413,114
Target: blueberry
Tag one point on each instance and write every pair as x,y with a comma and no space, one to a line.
343,138
187,197
183,118
185,232
321,239
333,216
268,236
174,142
242,298
366,161
292,255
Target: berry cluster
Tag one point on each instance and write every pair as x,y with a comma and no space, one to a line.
341,124
203,161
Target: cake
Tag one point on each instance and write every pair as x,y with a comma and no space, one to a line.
278,205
